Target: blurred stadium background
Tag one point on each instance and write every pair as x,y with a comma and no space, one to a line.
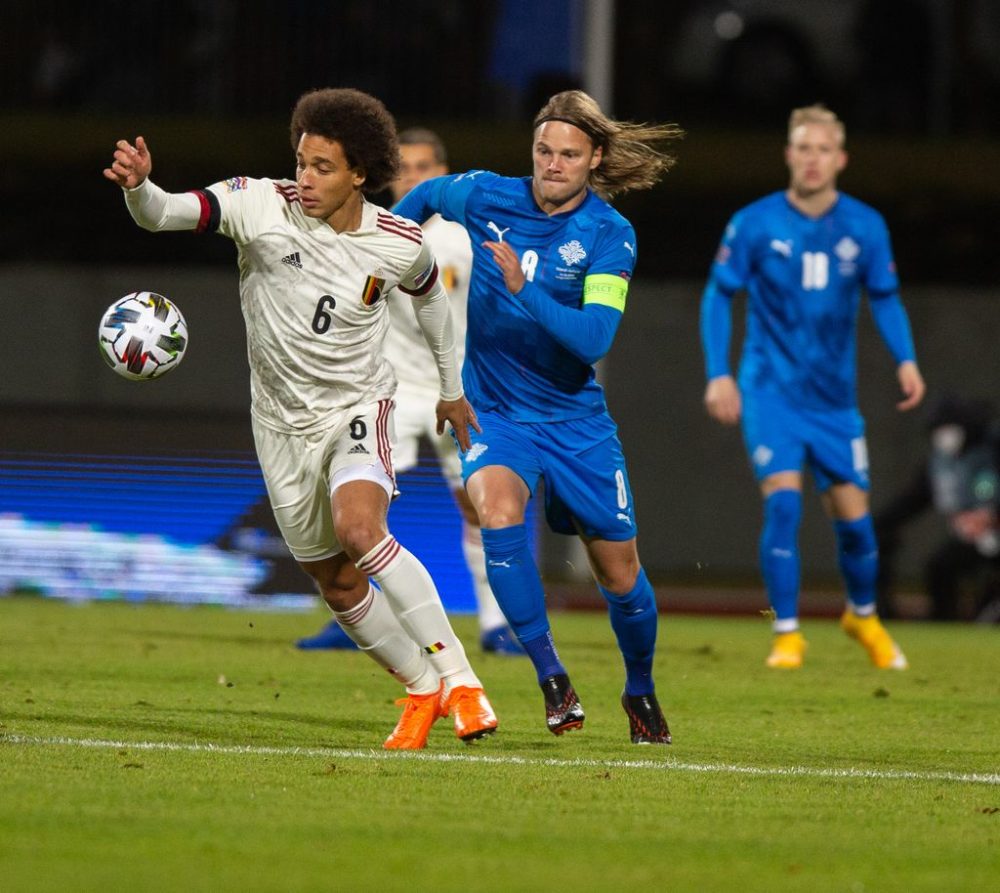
107,487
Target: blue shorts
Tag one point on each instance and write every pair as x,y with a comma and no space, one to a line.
782,437
580,460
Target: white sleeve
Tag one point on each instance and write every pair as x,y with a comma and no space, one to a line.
430,304
156,210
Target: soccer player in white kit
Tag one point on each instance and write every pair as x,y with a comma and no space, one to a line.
316,260
422,156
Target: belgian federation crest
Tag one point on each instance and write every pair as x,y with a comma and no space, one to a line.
372,292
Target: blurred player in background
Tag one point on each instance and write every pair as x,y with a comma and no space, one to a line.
959,479
803,255
315,261
422,156
552,263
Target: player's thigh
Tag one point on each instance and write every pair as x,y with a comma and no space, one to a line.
359,447
500,469
297,487
837,452
772,435
502,442
302,471
588,491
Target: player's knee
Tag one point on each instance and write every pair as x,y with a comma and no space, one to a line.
783,512
342,588
857,537
359,535
618,580
500,514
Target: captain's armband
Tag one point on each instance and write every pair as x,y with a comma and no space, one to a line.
606,289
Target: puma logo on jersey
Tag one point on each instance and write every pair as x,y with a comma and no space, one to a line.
293,260
475,451
629,248
623,517
492,226
784,248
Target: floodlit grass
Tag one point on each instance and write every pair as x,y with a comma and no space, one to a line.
162,748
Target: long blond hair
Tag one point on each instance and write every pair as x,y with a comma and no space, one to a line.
632,159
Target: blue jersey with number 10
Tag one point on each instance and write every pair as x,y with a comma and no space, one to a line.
804,277
512,365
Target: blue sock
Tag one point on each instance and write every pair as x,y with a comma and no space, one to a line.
857,552
514,579
633,618
779,556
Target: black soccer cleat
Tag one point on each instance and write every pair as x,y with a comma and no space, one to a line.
563,710
646,723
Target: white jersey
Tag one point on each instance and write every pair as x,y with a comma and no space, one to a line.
405,345
313,299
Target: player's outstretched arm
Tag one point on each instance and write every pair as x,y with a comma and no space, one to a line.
911,383
131,165
150,207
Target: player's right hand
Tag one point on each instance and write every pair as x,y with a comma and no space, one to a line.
131,165
461,416
723,401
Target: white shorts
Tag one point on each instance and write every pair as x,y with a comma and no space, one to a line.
416,417
301,472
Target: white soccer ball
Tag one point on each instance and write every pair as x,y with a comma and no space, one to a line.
143,336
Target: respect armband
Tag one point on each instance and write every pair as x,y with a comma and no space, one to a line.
606,289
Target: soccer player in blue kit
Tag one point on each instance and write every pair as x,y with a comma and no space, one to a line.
803,255
551,268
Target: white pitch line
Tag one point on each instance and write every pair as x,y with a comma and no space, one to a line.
665,765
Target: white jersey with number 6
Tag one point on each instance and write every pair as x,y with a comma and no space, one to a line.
314,300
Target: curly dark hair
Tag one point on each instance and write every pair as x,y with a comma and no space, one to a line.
361,124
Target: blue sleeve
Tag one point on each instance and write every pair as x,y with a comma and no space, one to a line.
729,273
446,196
716,328
880,270
586,333
893,325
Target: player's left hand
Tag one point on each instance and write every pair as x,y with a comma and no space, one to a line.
510,266
461,416
911,383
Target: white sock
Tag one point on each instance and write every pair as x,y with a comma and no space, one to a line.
490,615
788,625
373,627
414,600
861,610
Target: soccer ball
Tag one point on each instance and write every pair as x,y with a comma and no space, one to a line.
143,336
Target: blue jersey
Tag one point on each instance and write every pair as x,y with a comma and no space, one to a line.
516,365
803,276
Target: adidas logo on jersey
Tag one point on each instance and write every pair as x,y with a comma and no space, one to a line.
293,260
357,449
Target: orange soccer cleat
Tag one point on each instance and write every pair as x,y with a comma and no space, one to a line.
420,712
471,712
882,650
787,651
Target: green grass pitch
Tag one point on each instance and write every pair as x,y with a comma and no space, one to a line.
165,748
